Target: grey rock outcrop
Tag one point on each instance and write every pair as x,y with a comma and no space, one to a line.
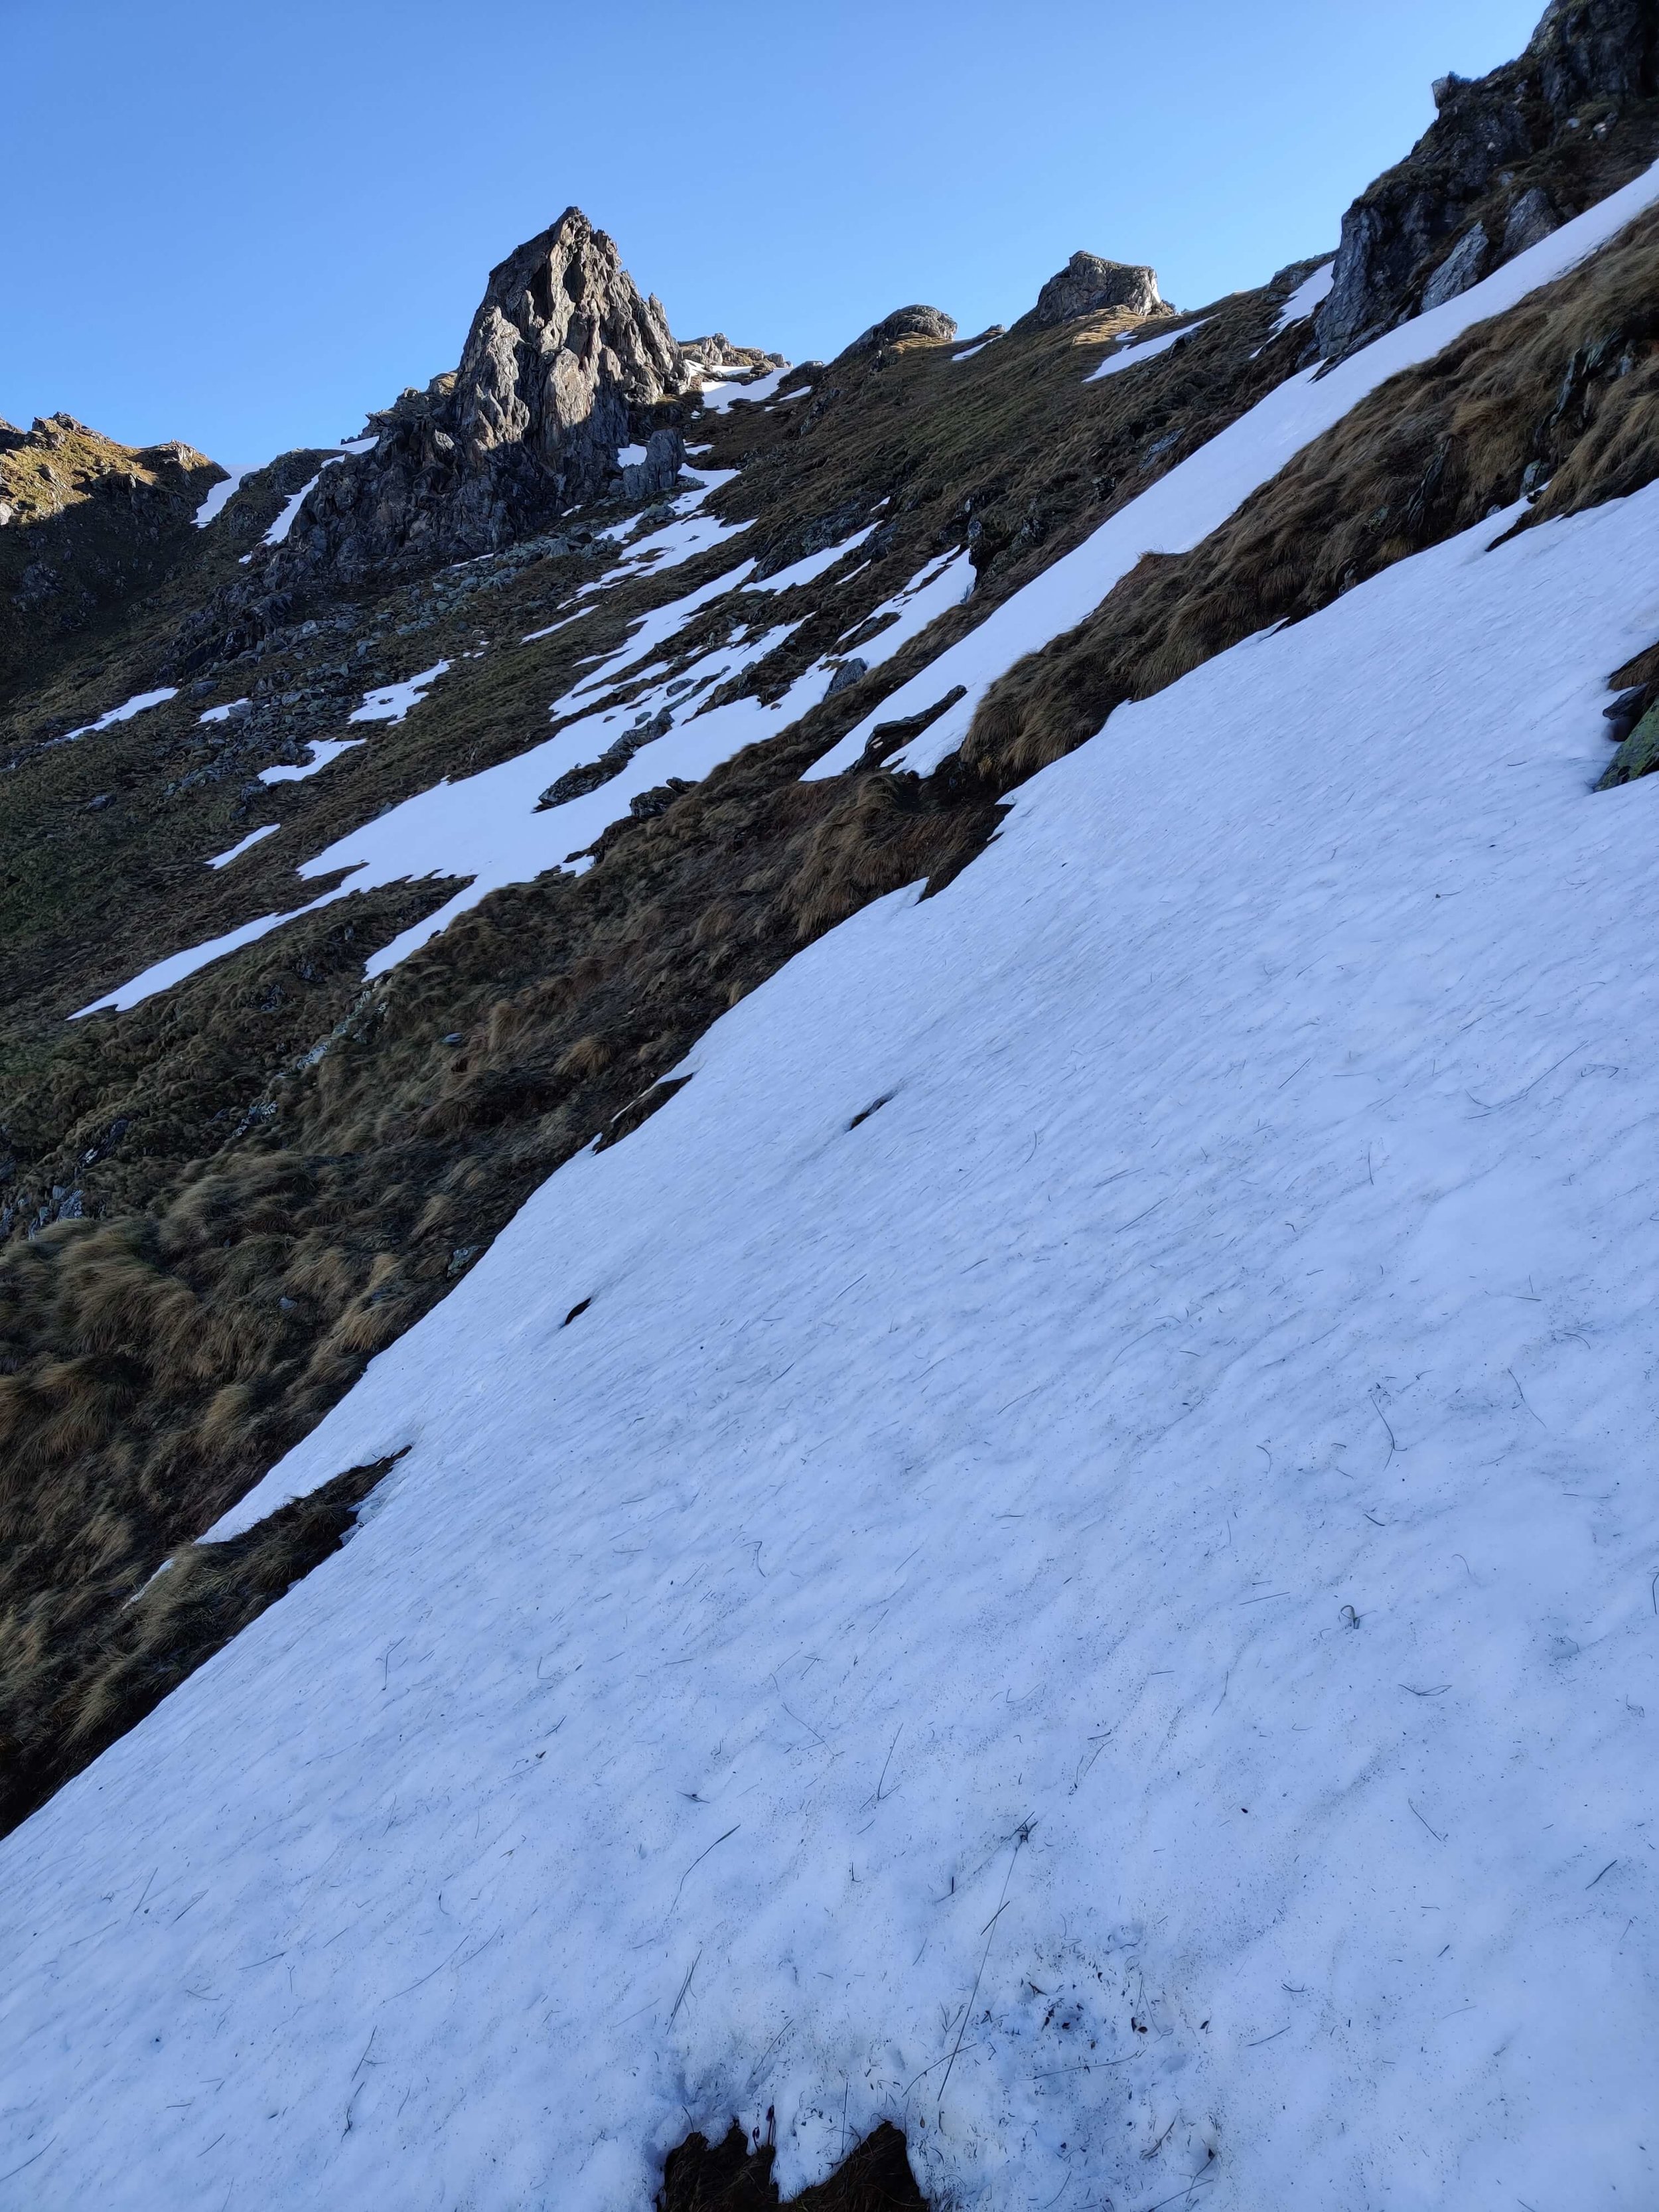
717,351
665,455
1464,265
1532,218
562,353
915,322
1088,286
1403,235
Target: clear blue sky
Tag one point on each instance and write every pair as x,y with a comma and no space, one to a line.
243,223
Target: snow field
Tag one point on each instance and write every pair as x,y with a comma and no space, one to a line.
1103,1612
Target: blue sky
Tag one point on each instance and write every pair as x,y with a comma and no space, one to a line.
243,223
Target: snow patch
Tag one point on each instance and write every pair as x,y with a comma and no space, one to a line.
164,973
531,636
1311,293
139,703
224,860
394,701
810,566
284,522
718,399
221,494
1132,356
320,752
944,583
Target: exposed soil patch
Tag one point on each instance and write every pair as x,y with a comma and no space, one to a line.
729,2176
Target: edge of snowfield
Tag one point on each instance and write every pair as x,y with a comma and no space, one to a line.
1103,1612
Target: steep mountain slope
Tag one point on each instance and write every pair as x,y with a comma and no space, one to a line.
1112,1394
1152,1322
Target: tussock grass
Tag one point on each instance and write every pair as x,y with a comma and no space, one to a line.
206,1594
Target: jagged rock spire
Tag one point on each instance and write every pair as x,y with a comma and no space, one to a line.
561,345
564,360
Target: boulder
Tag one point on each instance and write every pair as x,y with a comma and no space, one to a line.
658,472
904,323
1087,286
851,671
1531,218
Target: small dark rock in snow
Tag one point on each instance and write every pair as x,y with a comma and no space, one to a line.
1626,712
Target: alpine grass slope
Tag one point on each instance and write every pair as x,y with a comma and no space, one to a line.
826,1351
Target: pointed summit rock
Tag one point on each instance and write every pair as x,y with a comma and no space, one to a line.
562,359
560,346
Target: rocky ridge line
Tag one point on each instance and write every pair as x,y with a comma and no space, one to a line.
1486,181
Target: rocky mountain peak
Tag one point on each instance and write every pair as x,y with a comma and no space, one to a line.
561,346
915,321
1089,286
564,363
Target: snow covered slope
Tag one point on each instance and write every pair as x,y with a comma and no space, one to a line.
1059,1548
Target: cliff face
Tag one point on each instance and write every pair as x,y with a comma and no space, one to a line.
1503,164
